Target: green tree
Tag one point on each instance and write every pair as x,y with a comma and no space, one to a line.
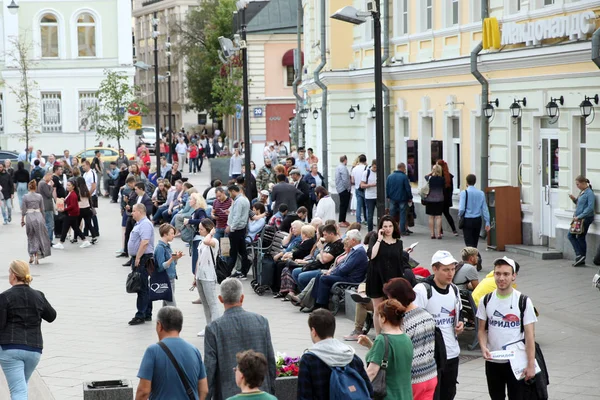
208,88
25,90
109,118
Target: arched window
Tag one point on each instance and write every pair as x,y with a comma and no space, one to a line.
86,35
49,36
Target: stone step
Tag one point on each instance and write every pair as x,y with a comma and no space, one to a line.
539,252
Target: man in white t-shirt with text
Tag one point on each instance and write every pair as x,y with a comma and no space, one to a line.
440,297
368,182
506,316
356,179
91,181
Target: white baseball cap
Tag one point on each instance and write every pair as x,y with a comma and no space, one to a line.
264,192
506,260
443,257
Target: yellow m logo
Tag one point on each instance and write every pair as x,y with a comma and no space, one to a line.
491,34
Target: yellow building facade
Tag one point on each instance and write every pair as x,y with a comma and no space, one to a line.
435,101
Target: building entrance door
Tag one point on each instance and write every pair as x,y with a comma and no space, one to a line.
549,182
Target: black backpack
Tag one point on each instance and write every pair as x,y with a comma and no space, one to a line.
37,174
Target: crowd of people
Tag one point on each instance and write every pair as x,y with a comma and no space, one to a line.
416,314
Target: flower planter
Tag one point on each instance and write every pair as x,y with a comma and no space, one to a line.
286,387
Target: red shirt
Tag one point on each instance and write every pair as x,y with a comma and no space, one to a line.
146,158
219,209
72,205
145,170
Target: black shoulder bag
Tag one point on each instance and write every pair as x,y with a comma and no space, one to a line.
186,384
461,220
379,382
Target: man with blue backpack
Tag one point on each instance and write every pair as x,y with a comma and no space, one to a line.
330,370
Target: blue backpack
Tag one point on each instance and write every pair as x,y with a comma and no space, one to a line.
346,383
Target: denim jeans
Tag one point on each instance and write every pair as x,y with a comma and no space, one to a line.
49,215
578,241
18,365
195,245
399,207
207,290
158,213
371,203
360,205
7,209
21,191
144,305
303,278
193,165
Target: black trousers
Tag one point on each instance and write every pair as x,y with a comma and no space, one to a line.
128,228
71,222
500,376
237,244
471,231
449,218
86,215
446,387
344,204
311,204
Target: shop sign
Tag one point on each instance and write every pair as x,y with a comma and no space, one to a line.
575,26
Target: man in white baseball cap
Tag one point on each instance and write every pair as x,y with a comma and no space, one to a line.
440,297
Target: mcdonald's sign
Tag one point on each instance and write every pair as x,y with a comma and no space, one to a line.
491,34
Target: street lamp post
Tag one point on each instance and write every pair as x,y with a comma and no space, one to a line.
248,147
168,46
352,15
156,98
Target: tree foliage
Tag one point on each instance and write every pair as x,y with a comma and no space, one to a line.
199,35
109,118
25,90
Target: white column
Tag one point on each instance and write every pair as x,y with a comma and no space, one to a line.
125,51
11,34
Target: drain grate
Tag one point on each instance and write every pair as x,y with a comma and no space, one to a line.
465,358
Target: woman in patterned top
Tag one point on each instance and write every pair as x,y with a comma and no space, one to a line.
419,325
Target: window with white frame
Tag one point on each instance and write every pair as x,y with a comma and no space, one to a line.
87,103
49,36
519,153
1,113
369,28
51,112
548,2
425,15
456,161
403,21
86,35
475,10
454,12
582,147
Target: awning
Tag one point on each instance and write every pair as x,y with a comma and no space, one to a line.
288,58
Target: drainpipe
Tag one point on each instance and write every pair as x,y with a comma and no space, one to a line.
484,98
321,85
596,47
386,91
298,79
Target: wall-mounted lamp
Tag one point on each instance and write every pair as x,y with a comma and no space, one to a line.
586,106
515,108
552,108
373,112
316,113
304,113
352,112
488,110
13,7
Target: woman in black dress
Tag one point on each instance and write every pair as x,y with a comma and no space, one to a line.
448,190
434,203
387,261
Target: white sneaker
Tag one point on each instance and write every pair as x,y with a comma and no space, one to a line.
201,333
85,244
58,246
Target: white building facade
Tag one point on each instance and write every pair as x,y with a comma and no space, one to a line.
71,44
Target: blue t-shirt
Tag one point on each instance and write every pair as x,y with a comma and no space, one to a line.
157,368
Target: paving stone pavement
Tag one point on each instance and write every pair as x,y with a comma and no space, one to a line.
90,339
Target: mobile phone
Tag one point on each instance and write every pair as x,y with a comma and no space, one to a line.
412,247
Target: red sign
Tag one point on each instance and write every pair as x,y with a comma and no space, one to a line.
134,109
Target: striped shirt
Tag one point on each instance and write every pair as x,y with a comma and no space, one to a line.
420,327
219,209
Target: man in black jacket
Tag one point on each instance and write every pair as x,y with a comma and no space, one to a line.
303,198
8,192
284,193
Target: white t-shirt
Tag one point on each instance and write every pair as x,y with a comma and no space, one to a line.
181,148
443,308
325,209
357,174
370,192
504,319
90,178
205,269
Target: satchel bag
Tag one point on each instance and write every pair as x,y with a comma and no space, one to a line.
424,191
188,232
221,267
576,227
134,282
379,383
461,219
184,380
225,246
160,286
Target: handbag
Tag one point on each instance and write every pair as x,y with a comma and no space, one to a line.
160,287
379,382
134,282
576,227
184,380
225,246
424,191
221,267
461,219
188,232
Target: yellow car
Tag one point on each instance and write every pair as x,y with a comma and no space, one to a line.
107,154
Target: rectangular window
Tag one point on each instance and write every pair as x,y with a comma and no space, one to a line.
87,102
548,2
49,41
404,28
518,5
412,160
51,112
455,165
583,147
428,14
519,154
289,70
454,12
437,151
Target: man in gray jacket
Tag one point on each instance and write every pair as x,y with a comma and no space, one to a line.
285,193
237,221
237,330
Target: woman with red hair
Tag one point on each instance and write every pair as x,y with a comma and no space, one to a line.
448,190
